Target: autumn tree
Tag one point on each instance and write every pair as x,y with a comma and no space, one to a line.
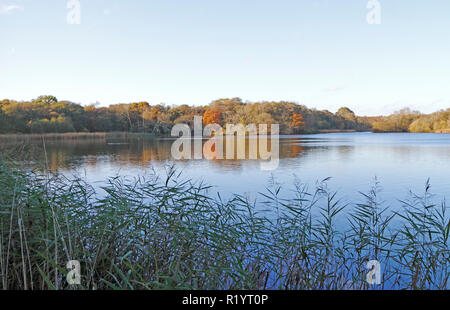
297,120
45,100
139,112
346,113
212,117
47,114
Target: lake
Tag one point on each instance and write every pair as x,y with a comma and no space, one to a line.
400,162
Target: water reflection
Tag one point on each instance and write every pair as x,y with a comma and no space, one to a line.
401,162
138,152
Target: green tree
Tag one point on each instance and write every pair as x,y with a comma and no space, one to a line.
346,114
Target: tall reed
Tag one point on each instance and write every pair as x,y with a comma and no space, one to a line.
165,232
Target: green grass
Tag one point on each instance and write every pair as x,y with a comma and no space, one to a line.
168,233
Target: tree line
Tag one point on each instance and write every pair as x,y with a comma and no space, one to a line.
407,120
46,114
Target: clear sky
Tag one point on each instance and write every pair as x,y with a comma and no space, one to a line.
321,53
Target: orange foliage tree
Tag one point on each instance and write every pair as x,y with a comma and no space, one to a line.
297,120
212,117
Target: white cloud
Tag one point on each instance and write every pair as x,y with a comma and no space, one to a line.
9,8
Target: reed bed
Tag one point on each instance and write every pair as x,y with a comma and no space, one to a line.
164,232
21,138
51,136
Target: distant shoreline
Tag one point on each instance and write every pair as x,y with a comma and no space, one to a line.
122,135
73,136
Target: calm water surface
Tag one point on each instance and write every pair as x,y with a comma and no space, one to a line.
400,161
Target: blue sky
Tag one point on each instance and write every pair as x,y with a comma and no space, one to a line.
319,53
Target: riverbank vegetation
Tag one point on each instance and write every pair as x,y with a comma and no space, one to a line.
164,232
48,115
407,120
70,137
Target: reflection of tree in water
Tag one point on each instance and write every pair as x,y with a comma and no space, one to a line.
292,152
139,152
346,151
